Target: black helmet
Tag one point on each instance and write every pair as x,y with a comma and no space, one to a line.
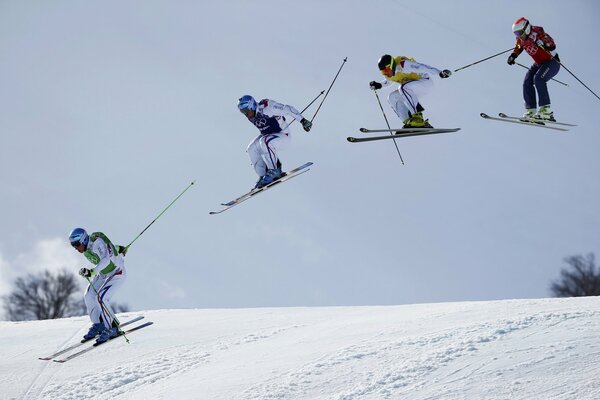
386,61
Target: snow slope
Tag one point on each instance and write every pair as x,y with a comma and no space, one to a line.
518,349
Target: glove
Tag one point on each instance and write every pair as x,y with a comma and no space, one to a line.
511,59
306,124
445,73
86,273
540,43
122,250
374,85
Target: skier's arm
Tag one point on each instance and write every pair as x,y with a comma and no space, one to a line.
413,66
273,108
546,42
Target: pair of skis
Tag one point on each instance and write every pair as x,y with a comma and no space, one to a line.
286,177
68,349
557,126
399,133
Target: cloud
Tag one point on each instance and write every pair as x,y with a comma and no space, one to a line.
171,291
52,254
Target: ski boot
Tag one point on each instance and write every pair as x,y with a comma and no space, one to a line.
94,331
108,334
545,114
270,176
529,114
416,121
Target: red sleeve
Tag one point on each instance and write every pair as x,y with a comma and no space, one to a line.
545,38
518,48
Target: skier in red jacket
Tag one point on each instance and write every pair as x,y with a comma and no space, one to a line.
541,47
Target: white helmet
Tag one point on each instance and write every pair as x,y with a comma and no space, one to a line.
521,27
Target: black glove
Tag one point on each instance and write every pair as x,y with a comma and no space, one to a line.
511,59
445,73
374,85
122,250
86,273
306,124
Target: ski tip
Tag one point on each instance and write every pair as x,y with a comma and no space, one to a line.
44,358
484,115
502,115
364,130
351,139
59,361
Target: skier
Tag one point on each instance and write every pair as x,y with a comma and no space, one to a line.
415,80
107,276
269,117
541,47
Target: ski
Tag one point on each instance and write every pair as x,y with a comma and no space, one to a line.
537,121
83,341
366,130
80,352
287,176
537,124
402,134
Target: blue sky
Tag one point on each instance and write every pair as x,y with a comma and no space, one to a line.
109,109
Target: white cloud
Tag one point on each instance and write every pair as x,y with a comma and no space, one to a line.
171,291
52,254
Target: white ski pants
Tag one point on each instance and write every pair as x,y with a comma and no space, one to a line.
97,301
263,151
404,100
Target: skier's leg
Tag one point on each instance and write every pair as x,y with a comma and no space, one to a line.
397,104
545,72
91,302
255,153
529,89
106,292
413,90
270,145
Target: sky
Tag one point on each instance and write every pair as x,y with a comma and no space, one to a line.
108,110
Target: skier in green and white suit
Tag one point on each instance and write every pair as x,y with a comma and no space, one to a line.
106,277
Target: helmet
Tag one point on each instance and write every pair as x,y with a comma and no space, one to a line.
79,236
247,102
387,61
521,27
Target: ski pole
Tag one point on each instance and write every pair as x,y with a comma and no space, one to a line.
330,86
388,125
305,108
310,104
163,211
555,80
562,65
113,316
487,58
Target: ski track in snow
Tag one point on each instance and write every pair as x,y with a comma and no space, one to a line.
148,369
381,368
126,377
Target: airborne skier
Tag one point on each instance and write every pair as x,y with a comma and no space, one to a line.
541,47
269,117
415,80
107,276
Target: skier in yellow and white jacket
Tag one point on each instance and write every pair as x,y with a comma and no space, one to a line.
415,80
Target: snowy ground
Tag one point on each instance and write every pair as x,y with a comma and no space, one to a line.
522,349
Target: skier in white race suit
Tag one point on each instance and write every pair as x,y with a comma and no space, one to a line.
269,117
415,80
107,276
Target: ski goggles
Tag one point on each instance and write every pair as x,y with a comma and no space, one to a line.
75,244
519,33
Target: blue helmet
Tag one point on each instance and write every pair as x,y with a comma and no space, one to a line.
79,236
247,102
